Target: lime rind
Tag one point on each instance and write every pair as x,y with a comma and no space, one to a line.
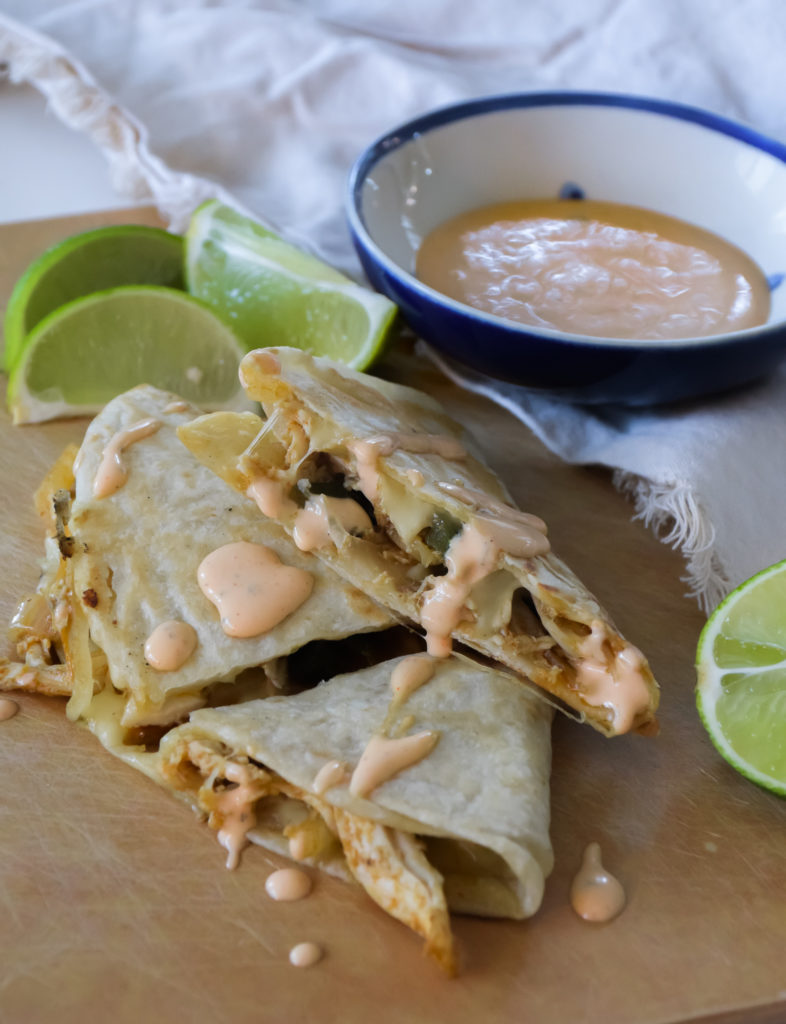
276,294
114,256
742,702
86,352
213,219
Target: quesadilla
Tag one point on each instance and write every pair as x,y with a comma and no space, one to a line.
427,780
378,482
125,621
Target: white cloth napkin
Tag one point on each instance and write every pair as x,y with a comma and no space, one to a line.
268,103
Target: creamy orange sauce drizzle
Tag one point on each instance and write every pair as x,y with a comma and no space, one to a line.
410,674
112,472
252,589
495,529
469,559
8,708
305,954
368,452
312,528
288,884
332,773
170,645
384,758
366,459
596,268
612,680
472,555
236,807
312,523
297,846
271,497
595,894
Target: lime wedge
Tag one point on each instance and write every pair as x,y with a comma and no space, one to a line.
90,262
741,690
274,294
96,347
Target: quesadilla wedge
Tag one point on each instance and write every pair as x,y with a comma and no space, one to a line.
383,486
123,620
425,779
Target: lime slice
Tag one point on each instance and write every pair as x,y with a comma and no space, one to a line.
741,691
274,294
86,263
94,348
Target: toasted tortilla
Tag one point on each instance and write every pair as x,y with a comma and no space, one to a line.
119,565
465,827
331,434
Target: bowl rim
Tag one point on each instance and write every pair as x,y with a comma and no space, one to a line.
403,133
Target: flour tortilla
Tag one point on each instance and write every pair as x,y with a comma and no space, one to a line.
533,614
133,563
478,803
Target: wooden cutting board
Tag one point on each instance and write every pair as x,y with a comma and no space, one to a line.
116,904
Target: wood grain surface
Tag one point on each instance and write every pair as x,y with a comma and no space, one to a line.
115,904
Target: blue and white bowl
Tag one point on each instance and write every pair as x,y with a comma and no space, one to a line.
670,158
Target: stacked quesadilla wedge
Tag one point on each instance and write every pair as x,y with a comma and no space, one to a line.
120,565
379,483
465,828
132,519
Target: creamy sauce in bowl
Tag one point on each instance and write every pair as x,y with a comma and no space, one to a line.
595,268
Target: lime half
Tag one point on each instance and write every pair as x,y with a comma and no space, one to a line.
274,294
94,348
741,690
86,263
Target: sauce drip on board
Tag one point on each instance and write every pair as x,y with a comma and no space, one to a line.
170,645
112,472
595,268
252,589
8,708
288,884
305,954
596,895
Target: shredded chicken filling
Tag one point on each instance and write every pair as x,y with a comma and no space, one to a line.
239,795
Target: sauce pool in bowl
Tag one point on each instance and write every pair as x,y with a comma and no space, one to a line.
595,268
